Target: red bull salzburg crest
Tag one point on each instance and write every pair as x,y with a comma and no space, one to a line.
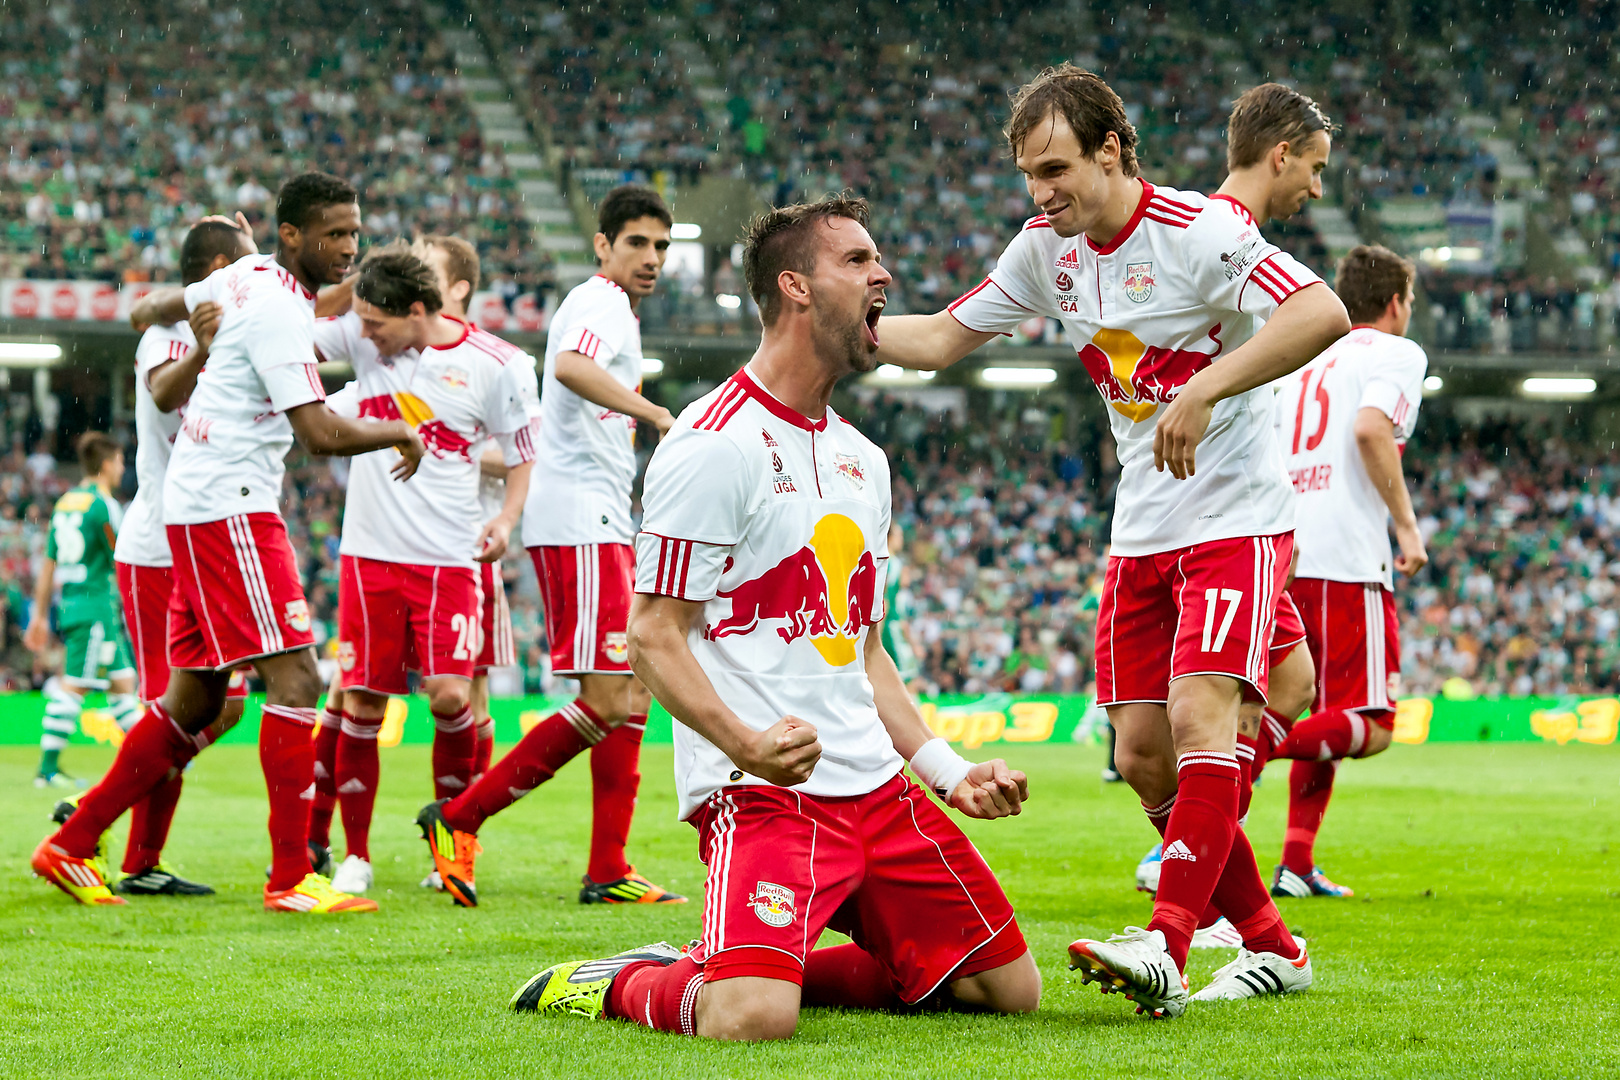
1139,281
849,467
772,903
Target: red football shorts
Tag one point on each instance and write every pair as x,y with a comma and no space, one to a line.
586,592
495,647
887,868
145,591
394,618
1288,631
1207,609
1354,636
236,594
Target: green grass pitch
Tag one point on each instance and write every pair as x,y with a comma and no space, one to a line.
1482,941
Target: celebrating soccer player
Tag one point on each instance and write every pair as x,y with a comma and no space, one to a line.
759,578
576,526
237,598
408,588
1160,290
1349,414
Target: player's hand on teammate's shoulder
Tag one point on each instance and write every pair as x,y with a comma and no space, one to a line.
240,221
1413,555
1180,429
991,790
410,455
784,754
204,322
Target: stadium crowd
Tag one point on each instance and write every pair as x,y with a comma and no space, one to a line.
126,124
1005,531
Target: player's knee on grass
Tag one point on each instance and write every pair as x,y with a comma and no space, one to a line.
748,1009
1010,988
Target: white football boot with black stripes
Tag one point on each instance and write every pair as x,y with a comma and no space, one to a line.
1136,964
1255,974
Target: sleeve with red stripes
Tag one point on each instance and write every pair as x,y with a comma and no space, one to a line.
1235,268
1395,384
506,414
697,500
1014,291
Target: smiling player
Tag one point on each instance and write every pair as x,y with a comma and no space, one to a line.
1159,291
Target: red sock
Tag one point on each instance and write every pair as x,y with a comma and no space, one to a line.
1241,896
548,746
1274,728
1160,817
614,782
655,996
1246,757
1197,840
1310,785
455,752
486,747
325,802
1325,736
357,770
149,822
287,755
848,977
152,751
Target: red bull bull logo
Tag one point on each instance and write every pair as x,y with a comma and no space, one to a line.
773,903
1135,379
827,591
440,439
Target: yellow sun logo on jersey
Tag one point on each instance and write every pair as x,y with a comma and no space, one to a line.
1135,378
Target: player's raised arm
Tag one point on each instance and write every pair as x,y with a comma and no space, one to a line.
160,307
1311,320
785,753
926,342
988,789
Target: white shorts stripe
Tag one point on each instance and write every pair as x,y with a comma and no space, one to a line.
255,588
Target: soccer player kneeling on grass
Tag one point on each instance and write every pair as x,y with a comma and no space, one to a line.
759,570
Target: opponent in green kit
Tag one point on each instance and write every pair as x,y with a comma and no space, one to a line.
898,610
79,558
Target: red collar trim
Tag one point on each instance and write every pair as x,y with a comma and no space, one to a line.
1244,210
1130,226
774,406
611,282
466,331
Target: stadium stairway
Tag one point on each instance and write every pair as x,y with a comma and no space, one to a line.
505,120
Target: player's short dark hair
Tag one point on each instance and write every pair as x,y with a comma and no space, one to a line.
300,197
460,258
785,239
95,449
393,279
624,204
205,241
1269,114
1367,276
1086,103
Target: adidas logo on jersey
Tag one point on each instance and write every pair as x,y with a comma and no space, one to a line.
1070,259
1177,849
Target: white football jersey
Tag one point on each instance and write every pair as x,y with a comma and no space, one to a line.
142,541
1343,531
585,459
1184,282
457,397
779,526
230,455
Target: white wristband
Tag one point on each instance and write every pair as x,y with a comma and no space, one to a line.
940,767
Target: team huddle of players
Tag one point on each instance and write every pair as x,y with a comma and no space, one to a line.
1258,417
